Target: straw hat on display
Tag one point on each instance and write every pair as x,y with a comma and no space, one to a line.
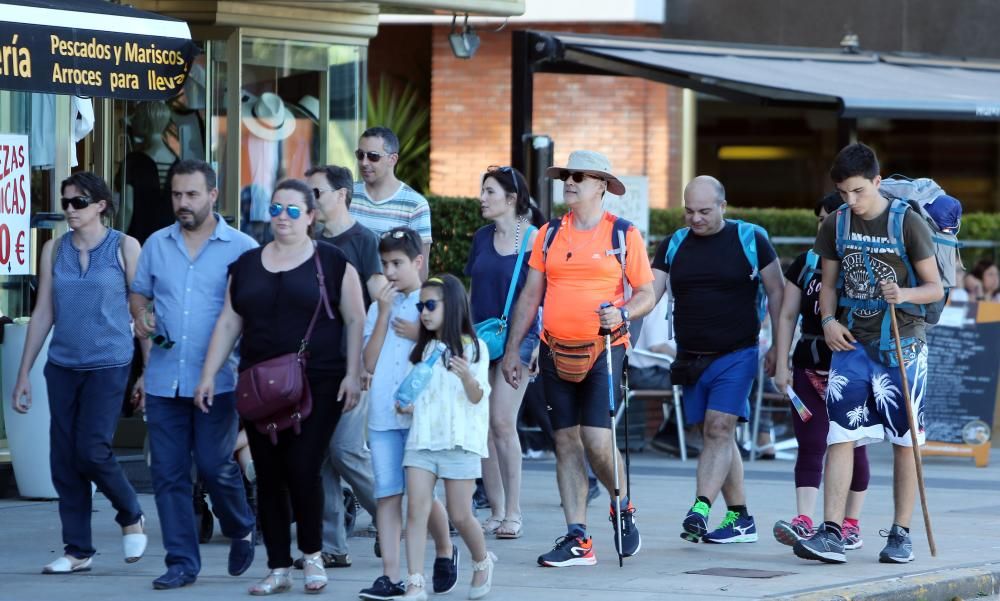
267,118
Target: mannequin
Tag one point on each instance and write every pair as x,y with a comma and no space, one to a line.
147,206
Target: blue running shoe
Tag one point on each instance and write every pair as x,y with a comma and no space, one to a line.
696,522
733,529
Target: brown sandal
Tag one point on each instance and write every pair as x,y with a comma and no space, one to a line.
507,532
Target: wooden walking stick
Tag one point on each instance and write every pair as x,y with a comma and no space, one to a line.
913,432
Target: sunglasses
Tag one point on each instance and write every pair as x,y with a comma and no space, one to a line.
293,211
317,192
395,234
162,340
507,170
373,156
430,304
78,202
577,176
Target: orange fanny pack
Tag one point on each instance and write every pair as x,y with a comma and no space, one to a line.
573,359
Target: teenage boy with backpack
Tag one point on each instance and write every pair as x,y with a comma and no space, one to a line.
868,269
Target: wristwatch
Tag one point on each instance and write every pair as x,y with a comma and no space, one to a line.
624,313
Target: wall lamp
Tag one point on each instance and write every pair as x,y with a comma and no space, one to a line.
464,43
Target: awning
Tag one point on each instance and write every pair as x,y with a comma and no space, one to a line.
861,84
92,48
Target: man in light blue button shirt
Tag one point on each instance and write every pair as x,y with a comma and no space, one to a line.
177,295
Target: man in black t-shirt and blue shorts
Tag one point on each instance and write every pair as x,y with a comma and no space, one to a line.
863,276
717,326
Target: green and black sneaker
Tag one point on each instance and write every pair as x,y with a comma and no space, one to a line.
696,522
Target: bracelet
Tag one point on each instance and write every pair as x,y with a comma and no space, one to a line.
827,320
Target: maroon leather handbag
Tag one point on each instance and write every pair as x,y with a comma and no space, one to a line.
274,394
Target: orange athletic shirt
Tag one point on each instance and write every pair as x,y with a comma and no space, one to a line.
580,275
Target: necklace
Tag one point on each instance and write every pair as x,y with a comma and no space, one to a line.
569,242
517,234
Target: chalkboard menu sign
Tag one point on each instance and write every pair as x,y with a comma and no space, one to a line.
962,366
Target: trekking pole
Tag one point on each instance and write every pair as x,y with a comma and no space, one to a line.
628,454
913,433
606,332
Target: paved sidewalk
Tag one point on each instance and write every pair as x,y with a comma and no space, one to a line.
964,504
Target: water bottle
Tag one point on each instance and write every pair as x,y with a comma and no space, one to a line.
417,379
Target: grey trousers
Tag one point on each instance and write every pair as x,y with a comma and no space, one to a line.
347,457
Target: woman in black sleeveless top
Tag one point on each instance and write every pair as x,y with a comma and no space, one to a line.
273,292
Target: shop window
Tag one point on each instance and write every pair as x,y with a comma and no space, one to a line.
301,106
147,139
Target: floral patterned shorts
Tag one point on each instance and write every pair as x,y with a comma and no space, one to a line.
865,400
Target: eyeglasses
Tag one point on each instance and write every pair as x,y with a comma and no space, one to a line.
293,211
508,170
373,156
317,192
162,340
577,176
78,202
430,304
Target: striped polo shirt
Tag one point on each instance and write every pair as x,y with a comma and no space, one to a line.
405,208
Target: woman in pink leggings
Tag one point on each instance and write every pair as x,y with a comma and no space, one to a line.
808,378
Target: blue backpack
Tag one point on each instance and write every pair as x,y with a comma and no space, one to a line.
810,270
748,241
931,313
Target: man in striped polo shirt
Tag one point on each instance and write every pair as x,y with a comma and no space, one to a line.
380,201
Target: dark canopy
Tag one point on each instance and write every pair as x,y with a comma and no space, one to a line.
92,48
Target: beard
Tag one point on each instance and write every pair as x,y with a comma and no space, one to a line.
190,220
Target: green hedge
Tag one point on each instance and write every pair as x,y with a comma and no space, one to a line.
454,220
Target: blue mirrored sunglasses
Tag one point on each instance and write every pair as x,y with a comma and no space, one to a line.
293,211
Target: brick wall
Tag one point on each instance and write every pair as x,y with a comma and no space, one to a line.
635,122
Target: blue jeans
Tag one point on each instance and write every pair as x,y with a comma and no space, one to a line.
85,406
176,430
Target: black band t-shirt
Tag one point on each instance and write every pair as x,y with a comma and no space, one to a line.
715,297
811,352
276,309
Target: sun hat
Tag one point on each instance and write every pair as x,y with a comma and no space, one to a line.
592,163
267,118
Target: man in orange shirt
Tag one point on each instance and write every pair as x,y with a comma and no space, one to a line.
577,273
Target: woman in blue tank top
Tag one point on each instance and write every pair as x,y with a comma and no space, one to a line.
504,200
83,298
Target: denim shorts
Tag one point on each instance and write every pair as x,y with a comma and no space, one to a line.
450,464
387,448
528,346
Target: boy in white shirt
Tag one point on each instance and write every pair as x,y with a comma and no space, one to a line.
391,330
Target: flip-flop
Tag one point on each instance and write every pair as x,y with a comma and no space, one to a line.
64,566
509,533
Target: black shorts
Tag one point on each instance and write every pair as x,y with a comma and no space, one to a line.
581,403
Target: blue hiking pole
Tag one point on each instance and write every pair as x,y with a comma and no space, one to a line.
606,332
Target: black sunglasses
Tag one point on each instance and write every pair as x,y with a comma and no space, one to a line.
577,176
508,170
372,155
430,304
395,234
78,202
162,340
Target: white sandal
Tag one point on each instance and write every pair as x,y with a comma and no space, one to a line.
478,592
278,580
67,565
415,580
312,580
134,545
